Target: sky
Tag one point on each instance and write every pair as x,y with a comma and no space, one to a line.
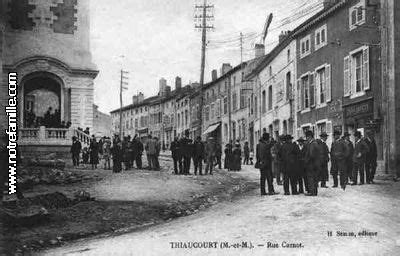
156,38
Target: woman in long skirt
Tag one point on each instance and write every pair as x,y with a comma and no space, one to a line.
237,158
228,157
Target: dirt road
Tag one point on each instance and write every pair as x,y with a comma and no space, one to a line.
363,220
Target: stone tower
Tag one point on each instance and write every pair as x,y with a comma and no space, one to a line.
47,43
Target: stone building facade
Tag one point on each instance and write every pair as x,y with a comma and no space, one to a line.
338,74
47,44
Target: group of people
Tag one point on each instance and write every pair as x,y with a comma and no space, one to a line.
50,119
210,152
304,164
123,153
184,150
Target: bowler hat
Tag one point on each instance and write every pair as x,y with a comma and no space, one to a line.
265,136
323,135
301,139
346,134
336,133
309,133
289,137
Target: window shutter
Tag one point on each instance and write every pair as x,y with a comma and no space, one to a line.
352,72
329,127
317,88
298,97
301,95
299,132
366,81
312,89
346,77
328,82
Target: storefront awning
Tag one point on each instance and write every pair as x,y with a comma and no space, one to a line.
211,128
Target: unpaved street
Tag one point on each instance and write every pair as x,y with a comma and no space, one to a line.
278,220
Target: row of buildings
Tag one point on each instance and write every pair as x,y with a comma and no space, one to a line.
335,71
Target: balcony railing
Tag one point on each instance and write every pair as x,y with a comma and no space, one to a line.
50,136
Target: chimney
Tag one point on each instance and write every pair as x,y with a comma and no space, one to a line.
140,97
136,99
283,35
163,85
225,68
214,75
259,50
178,83
329,3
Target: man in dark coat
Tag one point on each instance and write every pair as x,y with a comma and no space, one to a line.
198,156
139,148
176,157
246,153
371,162
339,153
302,179
349,157
75,150
264,163
324,175
218,155
359,158
186,149
313,162
116,151
94,152
125,151
210,155
276,160
289,153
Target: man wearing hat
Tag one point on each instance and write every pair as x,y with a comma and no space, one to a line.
359,158
198,156
349,157
339,152
313,162
301,179
75,150
186,147
210,155
289,155
324,175
371,163
264,163
276,159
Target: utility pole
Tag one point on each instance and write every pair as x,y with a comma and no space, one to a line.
121,88
202,24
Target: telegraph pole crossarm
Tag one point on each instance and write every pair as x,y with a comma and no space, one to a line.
202,19
123,84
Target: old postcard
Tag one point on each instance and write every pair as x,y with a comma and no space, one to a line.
199,127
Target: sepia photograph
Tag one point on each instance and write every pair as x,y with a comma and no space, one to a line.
200,127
